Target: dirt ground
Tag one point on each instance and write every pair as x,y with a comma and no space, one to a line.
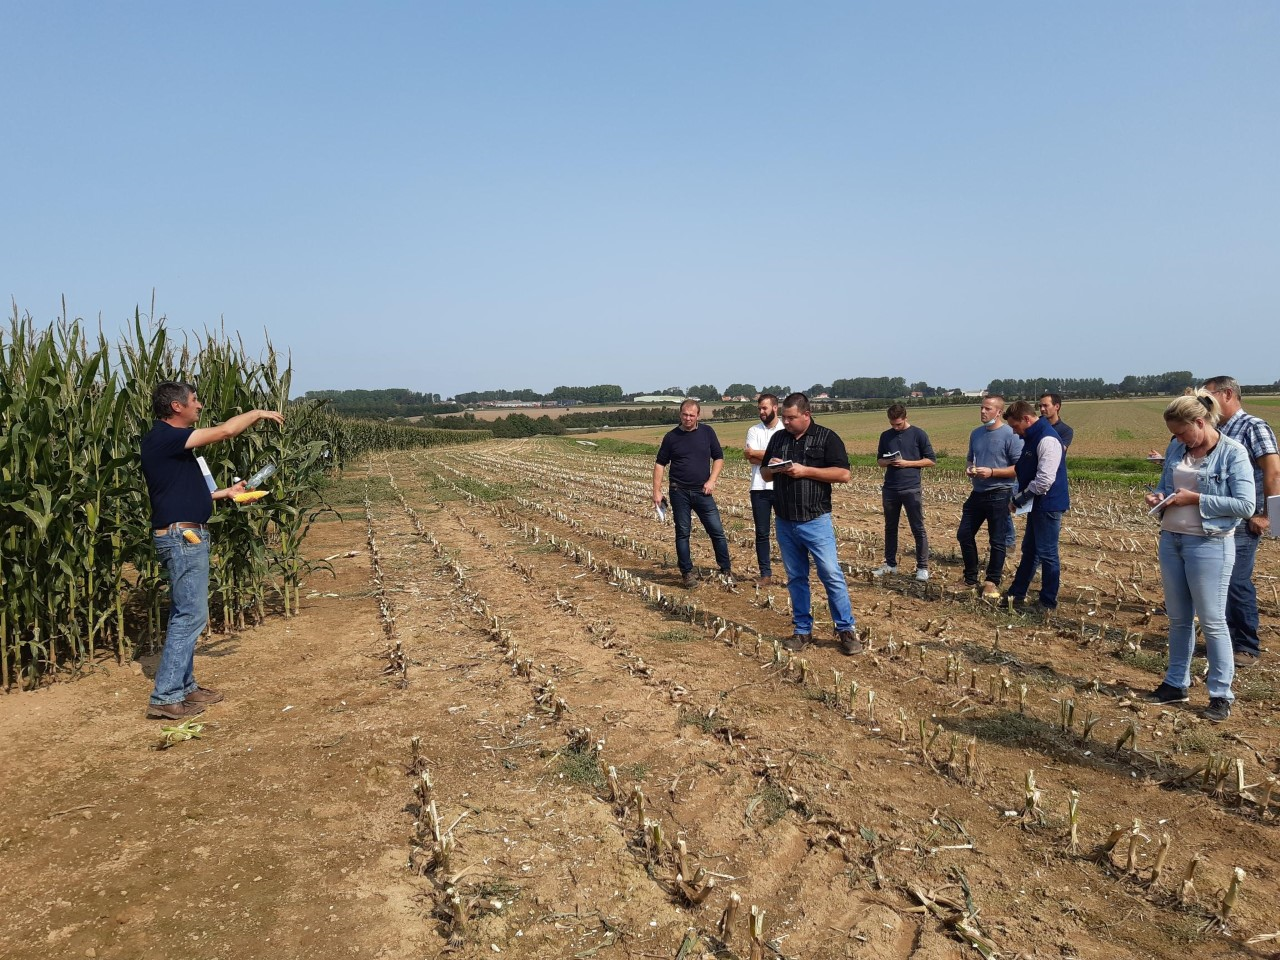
516,608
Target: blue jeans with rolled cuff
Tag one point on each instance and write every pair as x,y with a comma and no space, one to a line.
187,567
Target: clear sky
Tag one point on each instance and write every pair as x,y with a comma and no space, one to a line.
470,195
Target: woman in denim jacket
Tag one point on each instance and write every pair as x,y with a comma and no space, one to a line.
1206,489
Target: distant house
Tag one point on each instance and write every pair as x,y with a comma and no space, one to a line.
972,393
917,394
823,396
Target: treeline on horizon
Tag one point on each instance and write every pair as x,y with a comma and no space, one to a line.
851,393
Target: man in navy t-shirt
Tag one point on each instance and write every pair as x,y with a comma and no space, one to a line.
904,451
692,450
181,504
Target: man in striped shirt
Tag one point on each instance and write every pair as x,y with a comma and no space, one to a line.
1259,440
803,460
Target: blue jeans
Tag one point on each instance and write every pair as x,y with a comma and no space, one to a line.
762,514
894,501
1040,549
1196,572
796,542
1242,598
187,567
992,508
685,503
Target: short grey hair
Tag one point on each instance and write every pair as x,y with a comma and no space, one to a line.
1222,383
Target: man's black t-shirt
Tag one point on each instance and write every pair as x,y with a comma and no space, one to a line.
174,482
690,452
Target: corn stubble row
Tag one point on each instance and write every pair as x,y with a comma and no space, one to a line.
78,575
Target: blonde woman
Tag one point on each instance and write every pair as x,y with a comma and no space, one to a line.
1205,490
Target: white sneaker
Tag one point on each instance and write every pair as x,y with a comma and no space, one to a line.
922,573
884,568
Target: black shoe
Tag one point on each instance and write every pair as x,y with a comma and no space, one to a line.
1167,693
1219,709
796,642
850,645
1244,661
689,579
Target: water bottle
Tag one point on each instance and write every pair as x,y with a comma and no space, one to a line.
261,477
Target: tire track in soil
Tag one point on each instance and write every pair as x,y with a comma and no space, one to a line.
601,550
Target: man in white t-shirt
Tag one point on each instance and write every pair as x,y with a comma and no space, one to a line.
761,492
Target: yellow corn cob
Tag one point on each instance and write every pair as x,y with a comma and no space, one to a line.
190,536
249,496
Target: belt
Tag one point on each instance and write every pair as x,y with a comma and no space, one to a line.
181,526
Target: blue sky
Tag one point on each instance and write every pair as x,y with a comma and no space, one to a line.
463,196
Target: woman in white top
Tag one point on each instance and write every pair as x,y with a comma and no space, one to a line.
1206,489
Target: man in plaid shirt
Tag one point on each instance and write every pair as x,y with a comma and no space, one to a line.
1260,440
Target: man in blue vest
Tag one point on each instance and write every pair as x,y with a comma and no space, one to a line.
1042,482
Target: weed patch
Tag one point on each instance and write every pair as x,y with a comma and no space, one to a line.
767,806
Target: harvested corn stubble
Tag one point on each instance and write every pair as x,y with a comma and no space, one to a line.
1073,819
1220,919
1161,854
728,917
1188,891
756,925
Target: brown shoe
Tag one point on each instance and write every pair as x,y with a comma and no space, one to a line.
689,579
850,645
174,711
796,642
764,582
204,695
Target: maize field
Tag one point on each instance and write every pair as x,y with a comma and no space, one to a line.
78,574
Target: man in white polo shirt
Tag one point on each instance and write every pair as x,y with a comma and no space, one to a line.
758,438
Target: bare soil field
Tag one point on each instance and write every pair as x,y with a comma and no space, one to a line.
607,763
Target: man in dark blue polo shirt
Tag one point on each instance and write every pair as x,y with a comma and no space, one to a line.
1050,409
693,452
181,504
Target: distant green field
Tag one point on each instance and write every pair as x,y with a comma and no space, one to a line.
1104,429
